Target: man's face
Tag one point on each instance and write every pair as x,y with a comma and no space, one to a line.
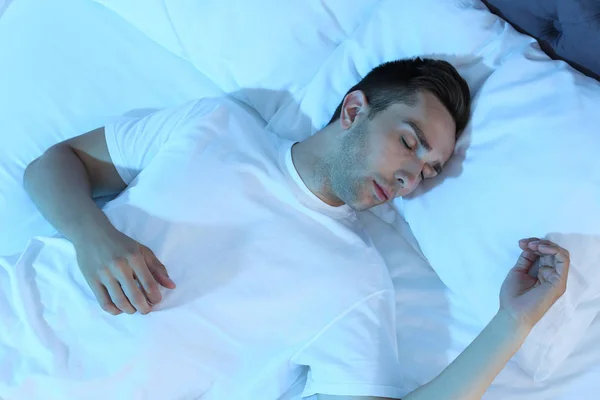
389,155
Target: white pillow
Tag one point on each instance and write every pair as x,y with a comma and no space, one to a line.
274,45
65,77
401,30
526,167
152,18
3,5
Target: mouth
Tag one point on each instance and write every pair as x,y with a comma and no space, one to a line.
381,194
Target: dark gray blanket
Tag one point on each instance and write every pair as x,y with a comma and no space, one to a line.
566,29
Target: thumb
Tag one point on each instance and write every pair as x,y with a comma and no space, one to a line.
514,281
158,270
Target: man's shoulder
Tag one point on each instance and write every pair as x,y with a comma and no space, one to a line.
226,104
205,106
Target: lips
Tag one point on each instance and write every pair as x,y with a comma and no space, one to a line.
381,193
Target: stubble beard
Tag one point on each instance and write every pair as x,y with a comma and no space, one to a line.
343,171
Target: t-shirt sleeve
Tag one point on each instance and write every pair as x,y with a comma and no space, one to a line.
357,353
134,141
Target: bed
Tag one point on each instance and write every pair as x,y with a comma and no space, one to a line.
66,70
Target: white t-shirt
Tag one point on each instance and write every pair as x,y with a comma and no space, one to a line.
272,282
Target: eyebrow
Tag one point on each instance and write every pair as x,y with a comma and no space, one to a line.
437,167
420,135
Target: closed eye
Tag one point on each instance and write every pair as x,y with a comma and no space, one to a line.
431,172
411,149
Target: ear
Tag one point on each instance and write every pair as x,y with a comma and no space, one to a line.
354,103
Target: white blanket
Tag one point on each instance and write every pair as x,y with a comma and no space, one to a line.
56,340
431,331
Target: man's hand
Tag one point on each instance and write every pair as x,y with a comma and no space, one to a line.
538,279
123,274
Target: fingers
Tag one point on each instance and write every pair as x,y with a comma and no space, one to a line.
553,254
120,292
547,274
553,263
560,257
126,278
123,274
528,257
134,294
524,243
103,298
526,260
116,294
159,271
145,278
546,260
544,247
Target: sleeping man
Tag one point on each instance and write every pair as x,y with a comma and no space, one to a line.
262,234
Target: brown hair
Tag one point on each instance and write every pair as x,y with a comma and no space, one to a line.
398,81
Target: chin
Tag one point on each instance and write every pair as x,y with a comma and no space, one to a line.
360,207
363,205
361,201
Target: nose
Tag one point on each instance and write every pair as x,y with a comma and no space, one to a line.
407,181
408,177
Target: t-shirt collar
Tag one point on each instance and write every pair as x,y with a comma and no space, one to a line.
303,193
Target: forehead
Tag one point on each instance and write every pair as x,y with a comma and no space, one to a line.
430,116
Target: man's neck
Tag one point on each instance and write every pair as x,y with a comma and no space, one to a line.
309,159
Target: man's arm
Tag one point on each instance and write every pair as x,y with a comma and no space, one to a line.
123,274
64,180
525,297
471,373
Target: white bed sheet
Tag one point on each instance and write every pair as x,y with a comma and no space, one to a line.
431,332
